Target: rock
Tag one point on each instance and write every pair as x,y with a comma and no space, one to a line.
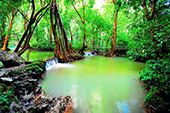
15,108
23,80
6,79
10,59
2,72
32,80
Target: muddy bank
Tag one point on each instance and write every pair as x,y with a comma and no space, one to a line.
20,91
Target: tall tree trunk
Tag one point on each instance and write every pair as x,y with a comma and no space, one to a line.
51,41
114,32
84,34
84,29
63,50
82,20
111,52
9,29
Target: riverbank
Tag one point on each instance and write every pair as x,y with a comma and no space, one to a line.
20,91
155,78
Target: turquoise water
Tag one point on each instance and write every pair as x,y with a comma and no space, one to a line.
98,85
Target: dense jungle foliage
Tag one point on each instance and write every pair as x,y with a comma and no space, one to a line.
143,27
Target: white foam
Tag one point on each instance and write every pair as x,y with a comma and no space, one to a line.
60,65
89,54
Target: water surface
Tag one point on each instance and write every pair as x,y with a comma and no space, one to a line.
31,55
98,85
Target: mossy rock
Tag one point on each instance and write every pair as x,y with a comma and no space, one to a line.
35,68
24,79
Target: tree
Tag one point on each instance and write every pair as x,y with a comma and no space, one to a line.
32,23
82,19
7,11
63,50
10,27
117,5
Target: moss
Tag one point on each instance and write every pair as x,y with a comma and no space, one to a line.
37,67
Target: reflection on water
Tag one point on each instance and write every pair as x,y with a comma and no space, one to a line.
123,106
99,85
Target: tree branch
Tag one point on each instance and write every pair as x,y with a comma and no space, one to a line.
153,10
17,10
76,11
149,17
37,13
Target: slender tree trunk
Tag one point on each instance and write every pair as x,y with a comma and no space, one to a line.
82,20
9,29
111,52
114,32
71,36
84,34
22,39
28,28
93,41
51,34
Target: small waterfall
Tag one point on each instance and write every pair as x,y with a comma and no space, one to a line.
89,54
51,63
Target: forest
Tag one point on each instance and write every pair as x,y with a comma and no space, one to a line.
86,50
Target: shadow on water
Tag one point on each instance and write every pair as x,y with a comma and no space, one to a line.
98,84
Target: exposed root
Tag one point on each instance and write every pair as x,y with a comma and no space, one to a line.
70,56
110,53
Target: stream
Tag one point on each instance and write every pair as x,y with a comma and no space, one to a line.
98,84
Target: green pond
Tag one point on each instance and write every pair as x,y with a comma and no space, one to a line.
98,84
31,55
